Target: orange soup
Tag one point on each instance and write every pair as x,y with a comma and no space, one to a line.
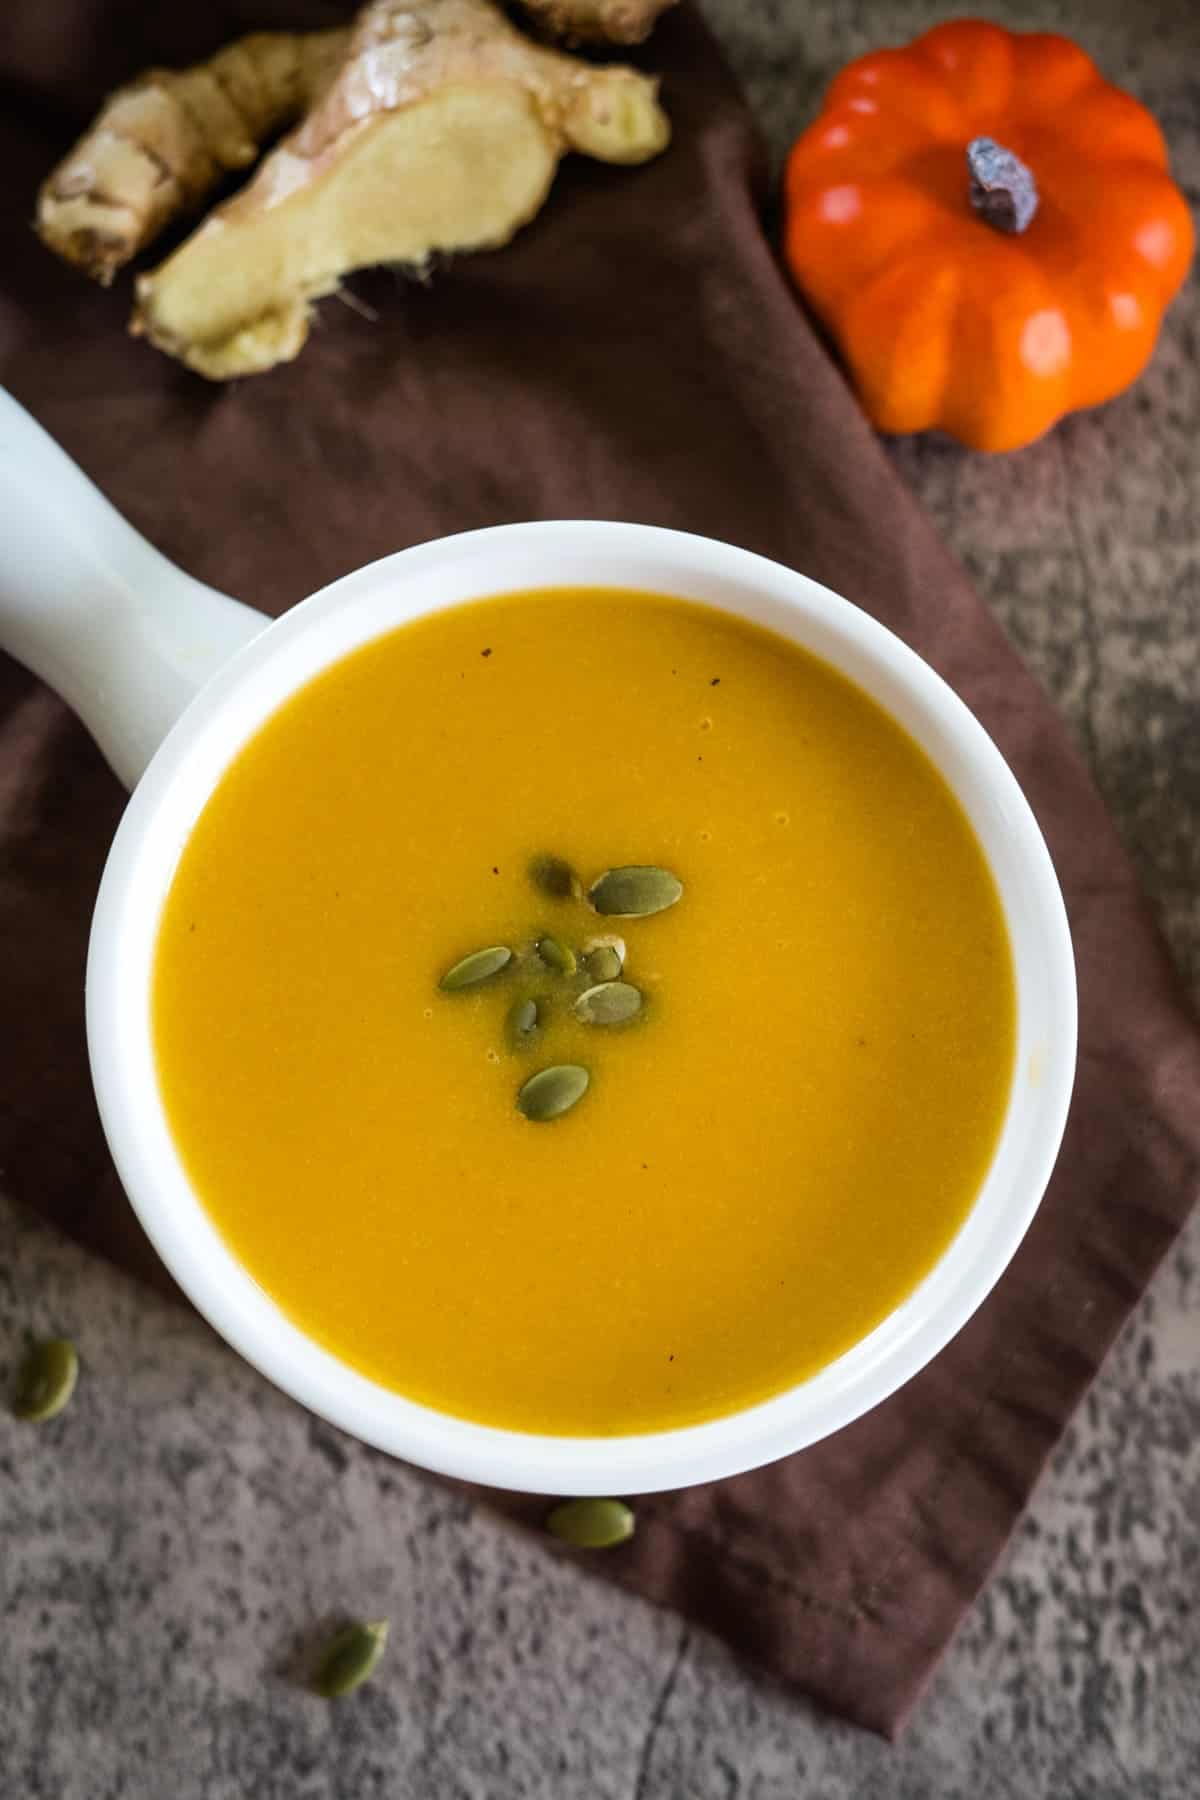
768,1146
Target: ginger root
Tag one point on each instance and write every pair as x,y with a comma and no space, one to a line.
163,142
597,21
440,131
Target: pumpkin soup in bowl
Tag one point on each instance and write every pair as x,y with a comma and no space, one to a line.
584,1012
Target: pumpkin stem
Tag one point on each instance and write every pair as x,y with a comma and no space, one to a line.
1003,192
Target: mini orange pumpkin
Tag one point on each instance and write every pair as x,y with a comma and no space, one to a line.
950,309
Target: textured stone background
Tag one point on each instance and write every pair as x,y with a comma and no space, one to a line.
173,1544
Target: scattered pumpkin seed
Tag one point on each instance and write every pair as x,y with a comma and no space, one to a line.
351,1658
481,965
522,1021
554,877
610,1003
634,892
553,1091
46,1380
556,955
592,1524
604,962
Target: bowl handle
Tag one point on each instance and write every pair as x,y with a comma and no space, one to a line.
86,603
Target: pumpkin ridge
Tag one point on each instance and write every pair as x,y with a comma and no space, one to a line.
896,385
978,43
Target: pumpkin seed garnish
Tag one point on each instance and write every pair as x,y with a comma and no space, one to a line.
634,892
522,1022
481,965
604,962
592,1524
556,955
553,1091
554,877
46,1380
351,1657
610,1003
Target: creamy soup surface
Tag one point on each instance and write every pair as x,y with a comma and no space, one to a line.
768,1157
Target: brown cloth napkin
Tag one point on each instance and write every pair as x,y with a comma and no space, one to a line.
635,354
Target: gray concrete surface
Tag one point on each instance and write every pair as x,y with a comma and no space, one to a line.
175,1544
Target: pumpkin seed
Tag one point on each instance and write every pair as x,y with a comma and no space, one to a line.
553,1091
556,955
634,892
592,1524
481,965
522,1022
47,1380
351,1658
610,1003
554,877
604,962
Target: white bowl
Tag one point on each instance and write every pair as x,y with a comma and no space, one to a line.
231,707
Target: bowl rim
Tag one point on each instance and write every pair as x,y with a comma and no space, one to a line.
374,599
